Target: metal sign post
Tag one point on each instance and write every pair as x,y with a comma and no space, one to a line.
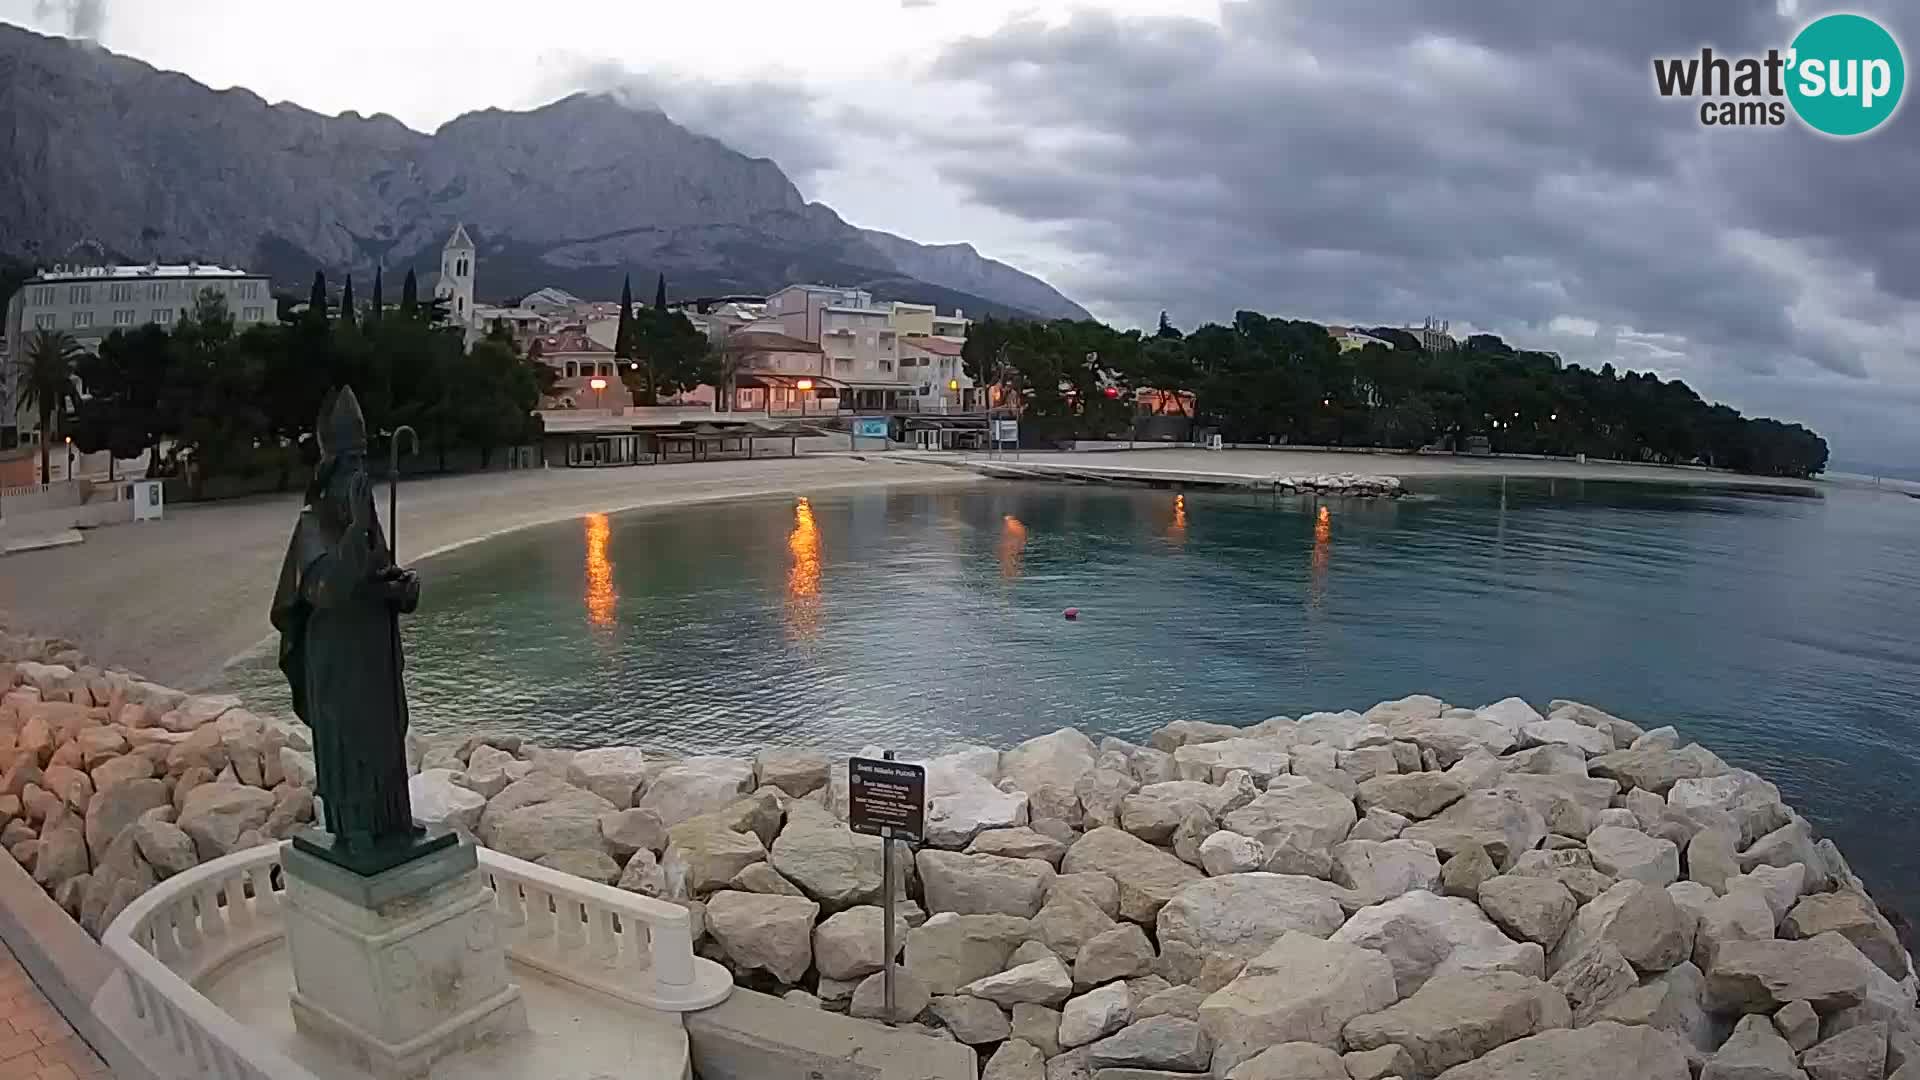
887,799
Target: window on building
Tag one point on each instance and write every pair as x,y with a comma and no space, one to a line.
82,319
119,293
43,295
79,294
460,304
573,371
253,314
43,322
156,290
123,317
163,316
886,365
248,290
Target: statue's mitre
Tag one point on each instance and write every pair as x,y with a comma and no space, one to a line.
342,428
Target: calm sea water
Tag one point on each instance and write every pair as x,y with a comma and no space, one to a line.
1780,631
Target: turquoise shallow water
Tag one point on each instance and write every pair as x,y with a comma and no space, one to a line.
1780,631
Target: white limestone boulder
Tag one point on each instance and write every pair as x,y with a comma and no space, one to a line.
983,884
1761,976
768,933
217,815
1566,732
1262,759
1636,918
1630,853
829,862
1300,989
694,786
1528,908
1227,852
1455,1018
1041,982
438,802
1501,822
795,771
1423,935
1603,1051
1095,1015
1147,877
1382,870
1413,795
949,951
614,773
850,944
1238,916
1298,811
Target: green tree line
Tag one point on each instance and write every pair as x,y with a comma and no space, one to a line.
1283,380
207,399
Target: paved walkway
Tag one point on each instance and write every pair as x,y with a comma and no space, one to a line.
35,1042
178,598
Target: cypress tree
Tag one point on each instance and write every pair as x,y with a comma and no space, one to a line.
317,299
410,295
373,312
623,335
346,303
660,294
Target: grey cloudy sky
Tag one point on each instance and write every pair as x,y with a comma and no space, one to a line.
1504,164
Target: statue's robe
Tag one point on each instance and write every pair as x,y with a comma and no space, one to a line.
340,650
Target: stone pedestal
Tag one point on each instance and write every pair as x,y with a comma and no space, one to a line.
401,968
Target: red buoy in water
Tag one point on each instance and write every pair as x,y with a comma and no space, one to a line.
1072,613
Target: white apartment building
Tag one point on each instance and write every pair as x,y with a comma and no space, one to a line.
90,302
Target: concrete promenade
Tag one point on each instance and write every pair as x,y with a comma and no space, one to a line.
176,599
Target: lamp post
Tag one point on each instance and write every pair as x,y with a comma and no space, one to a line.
599,386
805,387
69,459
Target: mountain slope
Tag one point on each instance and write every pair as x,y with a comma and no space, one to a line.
104,150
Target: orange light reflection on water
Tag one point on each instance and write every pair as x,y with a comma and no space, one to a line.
1013,546
601,598
1177,532
803,577
1322,557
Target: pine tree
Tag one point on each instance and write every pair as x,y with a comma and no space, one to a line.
317,299
623,334
346,303
660,294
410,296
373,312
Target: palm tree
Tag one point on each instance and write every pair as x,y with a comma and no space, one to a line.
47,383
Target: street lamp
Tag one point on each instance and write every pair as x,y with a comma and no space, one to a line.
805,386
599,384
69,459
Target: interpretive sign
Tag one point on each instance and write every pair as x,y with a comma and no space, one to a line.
1006,431
887,798
870,427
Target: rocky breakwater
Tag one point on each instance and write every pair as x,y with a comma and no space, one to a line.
110,784
1353,485
1415,891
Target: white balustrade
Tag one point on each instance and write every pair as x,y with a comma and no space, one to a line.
180,930
633,947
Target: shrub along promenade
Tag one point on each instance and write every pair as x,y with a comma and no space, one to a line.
1415,890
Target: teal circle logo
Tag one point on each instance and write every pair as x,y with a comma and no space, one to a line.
1846,75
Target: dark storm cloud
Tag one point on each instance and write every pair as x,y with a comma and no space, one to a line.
1501,162
775,120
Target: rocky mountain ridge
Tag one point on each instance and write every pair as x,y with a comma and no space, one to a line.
108,153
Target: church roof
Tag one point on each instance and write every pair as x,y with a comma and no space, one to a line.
459,239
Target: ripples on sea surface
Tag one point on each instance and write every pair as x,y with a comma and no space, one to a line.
1780,631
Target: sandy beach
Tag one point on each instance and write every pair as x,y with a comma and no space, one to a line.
177,599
